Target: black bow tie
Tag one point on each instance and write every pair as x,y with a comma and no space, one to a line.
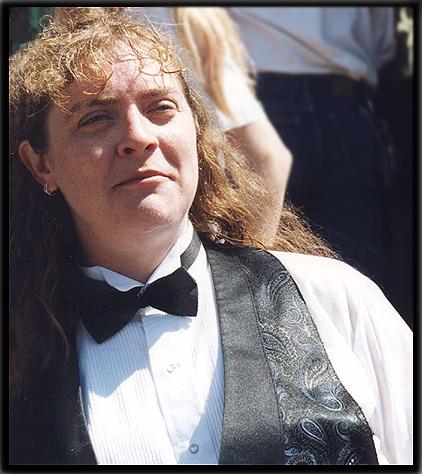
107,310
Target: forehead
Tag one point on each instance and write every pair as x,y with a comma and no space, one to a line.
126,74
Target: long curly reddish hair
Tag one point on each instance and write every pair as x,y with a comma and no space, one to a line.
74,47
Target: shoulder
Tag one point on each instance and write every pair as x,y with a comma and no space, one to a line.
239,97
367,342
326,276
320,271
338,295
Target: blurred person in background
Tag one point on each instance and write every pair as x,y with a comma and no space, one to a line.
317,71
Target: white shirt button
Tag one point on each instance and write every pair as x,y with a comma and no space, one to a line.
194,448
172,367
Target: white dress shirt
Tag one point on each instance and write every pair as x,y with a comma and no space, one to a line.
153,392
354,41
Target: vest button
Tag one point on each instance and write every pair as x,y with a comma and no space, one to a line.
194,448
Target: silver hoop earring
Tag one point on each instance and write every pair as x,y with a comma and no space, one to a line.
45,189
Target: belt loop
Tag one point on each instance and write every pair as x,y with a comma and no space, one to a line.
343,86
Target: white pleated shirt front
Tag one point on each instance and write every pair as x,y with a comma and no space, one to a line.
153,393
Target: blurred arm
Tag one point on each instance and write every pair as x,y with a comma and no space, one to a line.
270,158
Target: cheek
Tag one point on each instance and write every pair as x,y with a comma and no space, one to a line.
77,181
183,154
191,151
189,163
72,164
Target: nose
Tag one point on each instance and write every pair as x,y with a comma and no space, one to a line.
138,136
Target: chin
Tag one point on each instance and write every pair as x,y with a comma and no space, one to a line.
154,212
150,220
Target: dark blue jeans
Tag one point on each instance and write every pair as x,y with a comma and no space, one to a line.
341,161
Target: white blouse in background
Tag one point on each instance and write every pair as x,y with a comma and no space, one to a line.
354,41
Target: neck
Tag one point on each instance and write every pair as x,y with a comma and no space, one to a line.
136,257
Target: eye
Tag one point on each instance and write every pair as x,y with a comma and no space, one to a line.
94,119
162,106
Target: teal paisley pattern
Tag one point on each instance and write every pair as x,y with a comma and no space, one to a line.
321,423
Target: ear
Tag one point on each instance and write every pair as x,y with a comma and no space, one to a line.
38,165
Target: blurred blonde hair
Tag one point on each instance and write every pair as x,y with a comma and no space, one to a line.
210,35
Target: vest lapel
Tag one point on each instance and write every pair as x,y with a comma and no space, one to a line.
283,401
74,442
251,427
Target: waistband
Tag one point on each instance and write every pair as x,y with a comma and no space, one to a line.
271,83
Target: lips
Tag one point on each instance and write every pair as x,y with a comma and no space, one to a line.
141,176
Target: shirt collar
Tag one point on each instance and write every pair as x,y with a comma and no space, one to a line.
169,264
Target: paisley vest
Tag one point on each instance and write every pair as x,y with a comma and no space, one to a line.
283,402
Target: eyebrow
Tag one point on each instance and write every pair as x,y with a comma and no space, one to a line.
107,100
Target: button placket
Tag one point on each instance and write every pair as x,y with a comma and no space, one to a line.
177,390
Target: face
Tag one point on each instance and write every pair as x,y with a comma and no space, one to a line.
125,159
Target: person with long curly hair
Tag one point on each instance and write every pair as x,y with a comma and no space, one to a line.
151,322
